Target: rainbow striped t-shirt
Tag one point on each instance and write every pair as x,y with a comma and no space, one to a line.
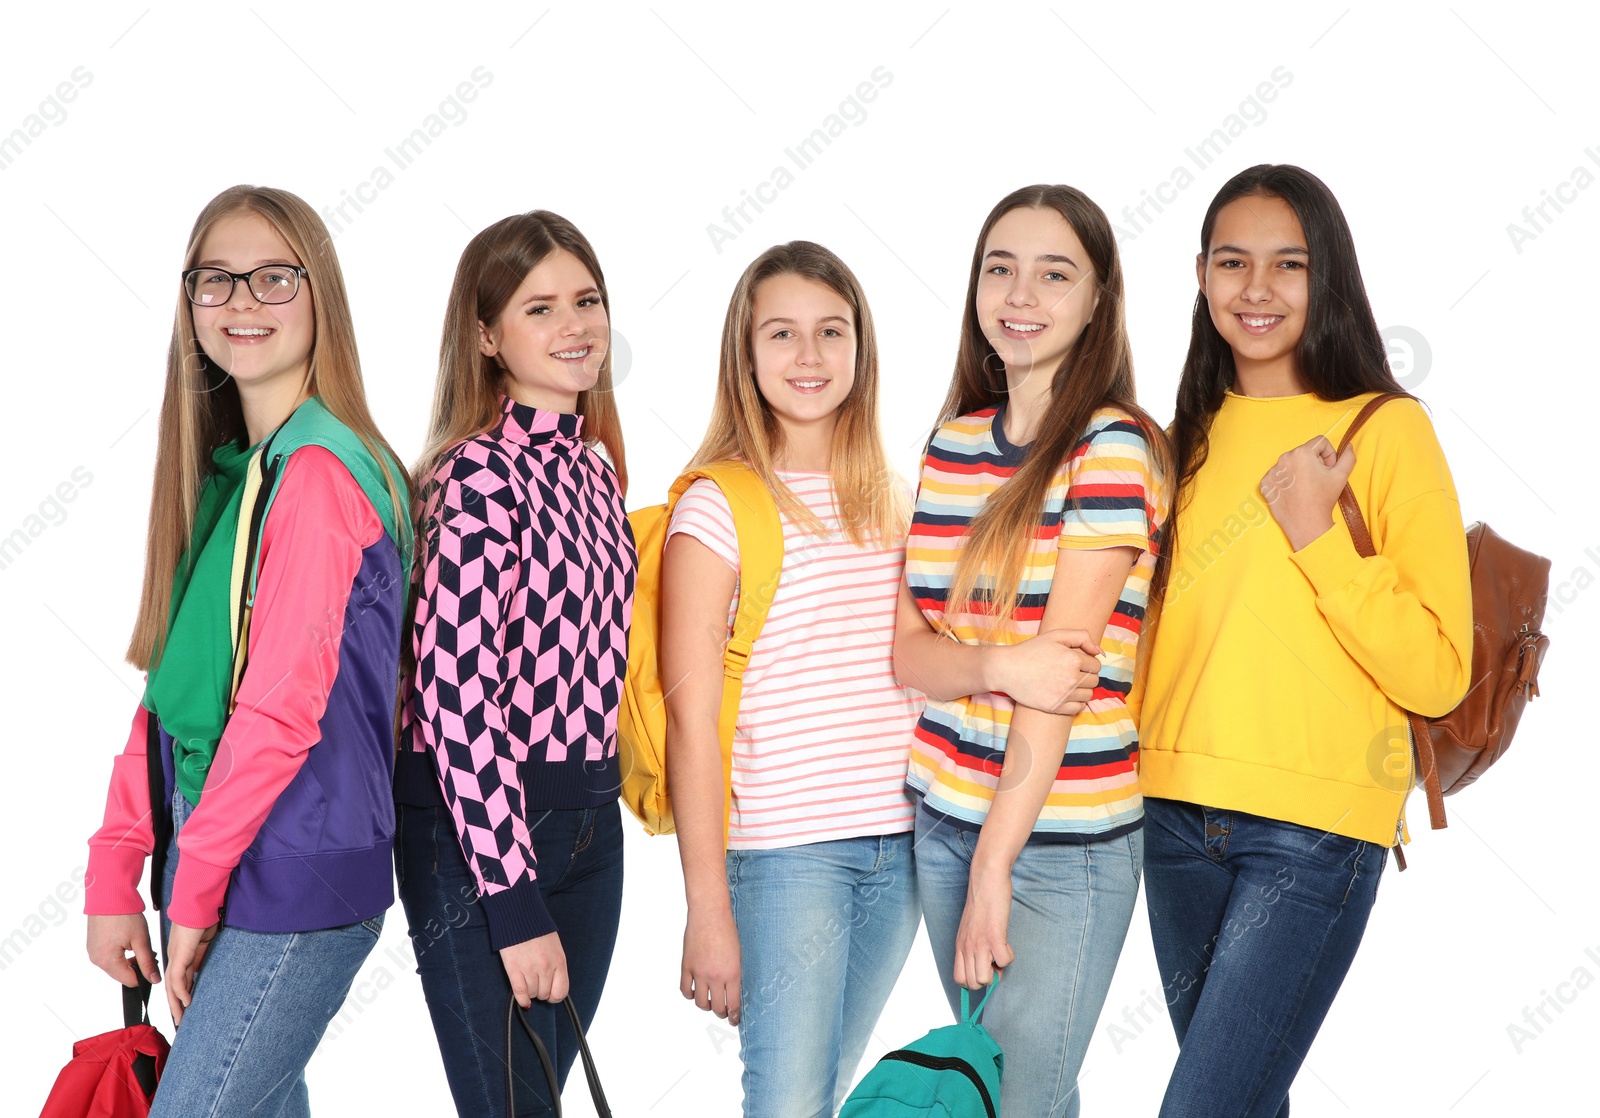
1106,494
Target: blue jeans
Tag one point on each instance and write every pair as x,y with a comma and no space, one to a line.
579,855
1071,904
261,1004
824,929
1255,922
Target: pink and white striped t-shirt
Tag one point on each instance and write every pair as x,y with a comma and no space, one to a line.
825,729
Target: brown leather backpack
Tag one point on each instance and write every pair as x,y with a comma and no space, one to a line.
1509,586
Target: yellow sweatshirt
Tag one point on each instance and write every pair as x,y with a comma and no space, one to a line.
1276,678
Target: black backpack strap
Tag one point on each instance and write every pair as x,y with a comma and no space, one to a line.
136,1002
136,1011
160,808
160,805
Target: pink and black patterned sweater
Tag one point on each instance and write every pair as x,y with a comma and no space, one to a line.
521,637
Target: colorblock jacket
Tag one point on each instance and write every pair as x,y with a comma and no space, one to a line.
294,827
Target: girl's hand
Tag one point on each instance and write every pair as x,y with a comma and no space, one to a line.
537,968
1055,672
711,963
110,940
1304,486
981,947
186,951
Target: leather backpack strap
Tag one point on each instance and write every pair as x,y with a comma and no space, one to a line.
1347,499
1421,736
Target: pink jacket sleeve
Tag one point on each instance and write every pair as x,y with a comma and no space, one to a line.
118,849
310,552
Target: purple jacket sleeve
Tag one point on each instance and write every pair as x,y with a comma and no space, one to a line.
471,584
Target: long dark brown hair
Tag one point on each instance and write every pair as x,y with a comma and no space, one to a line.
1096,372
1340,354
466,397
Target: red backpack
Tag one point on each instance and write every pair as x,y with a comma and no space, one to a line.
113,1075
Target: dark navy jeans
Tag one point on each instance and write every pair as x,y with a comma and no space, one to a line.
579,854
1255,923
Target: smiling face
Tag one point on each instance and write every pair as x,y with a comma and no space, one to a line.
552,335
803,337
1036,291
263,346
1256,282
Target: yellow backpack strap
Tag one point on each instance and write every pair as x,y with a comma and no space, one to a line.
246,541
760,532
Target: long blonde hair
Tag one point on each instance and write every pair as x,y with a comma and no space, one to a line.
466,398
871,504
1096,372
200,408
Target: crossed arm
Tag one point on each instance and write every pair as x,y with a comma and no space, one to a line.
1049,677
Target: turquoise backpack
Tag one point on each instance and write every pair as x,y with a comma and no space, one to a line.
953,1072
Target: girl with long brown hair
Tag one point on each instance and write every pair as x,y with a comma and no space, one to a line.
1039,518
509,853
257,766
1277,764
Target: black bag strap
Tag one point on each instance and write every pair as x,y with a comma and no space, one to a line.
601,1107
136,1002
136,1011
155,770
514,1013
160,809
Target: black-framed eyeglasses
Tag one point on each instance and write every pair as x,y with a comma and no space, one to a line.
270,283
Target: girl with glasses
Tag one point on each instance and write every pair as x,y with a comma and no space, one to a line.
258,763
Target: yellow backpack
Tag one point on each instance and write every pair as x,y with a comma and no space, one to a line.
642,722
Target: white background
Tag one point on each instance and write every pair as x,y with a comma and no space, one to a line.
1434,126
